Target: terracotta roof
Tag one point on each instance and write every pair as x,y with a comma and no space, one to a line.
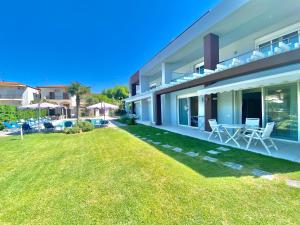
52,86
12,84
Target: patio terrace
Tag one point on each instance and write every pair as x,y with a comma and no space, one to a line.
286,149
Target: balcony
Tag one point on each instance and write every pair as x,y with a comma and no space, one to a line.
11,96
255,55
58,98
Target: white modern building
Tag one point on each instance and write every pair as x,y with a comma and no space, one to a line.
239,60
17,94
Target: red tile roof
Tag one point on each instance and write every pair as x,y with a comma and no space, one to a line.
11,84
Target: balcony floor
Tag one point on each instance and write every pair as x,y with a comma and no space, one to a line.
286,149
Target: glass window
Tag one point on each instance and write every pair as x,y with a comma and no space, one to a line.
183,111
282,108
199,69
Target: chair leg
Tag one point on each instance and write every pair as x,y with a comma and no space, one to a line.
211,134
220,136
266,147
273,143
250,140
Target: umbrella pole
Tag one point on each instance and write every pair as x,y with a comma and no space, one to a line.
39,114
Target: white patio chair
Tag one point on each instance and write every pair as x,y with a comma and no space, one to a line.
215,129
250,123
262,135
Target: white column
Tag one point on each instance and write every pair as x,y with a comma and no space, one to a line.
263,108
153,109
298,111
166,73
201,112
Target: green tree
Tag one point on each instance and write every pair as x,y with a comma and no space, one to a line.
78,90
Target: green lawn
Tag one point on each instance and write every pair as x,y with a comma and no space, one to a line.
108,176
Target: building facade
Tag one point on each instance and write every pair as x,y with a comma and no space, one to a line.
241,59
57,94
16,94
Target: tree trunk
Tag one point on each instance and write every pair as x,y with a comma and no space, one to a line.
77,107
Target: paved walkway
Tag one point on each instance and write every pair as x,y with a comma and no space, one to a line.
286,149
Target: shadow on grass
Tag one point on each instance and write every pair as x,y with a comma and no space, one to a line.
249,160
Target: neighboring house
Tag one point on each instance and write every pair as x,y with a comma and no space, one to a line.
241,59
17,94
58,94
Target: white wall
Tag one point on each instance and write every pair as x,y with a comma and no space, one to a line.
29,95
138,109
225,108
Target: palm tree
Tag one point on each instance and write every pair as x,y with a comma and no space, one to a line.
78,90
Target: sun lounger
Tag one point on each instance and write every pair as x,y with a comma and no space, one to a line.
48,126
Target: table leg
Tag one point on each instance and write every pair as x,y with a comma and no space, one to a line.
232,137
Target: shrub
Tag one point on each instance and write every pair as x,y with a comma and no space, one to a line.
120,112
85,126
72,130
131,121
1,126
11,113
128,119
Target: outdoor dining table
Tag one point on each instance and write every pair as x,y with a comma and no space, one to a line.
235,135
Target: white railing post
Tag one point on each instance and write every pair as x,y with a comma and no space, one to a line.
21,133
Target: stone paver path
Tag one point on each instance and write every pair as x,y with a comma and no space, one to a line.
166,132
192,154
157,134
233,165
177,149
293,183
262,174
213,152
167,146
210,159
223,149
156,142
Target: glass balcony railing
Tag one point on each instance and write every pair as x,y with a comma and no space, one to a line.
257,54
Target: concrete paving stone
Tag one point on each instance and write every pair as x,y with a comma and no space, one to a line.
210,159
233,165
213,152
223,149
177,149
192,154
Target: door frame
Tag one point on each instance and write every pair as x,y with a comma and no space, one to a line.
188,97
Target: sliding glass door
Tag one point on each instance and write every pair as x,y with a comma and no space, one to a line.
282,108
183,111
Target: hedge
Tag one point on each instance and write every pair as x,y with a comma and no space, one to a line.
11,113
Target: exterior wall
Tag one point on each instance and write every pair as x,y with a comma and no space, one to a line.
17,95
138,110
225,108
29,95
11,92
59,96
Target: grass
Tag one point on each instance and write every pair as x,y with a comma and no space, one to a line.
108,176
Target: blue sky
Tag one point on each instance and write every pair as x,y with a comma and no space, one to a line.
98,43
